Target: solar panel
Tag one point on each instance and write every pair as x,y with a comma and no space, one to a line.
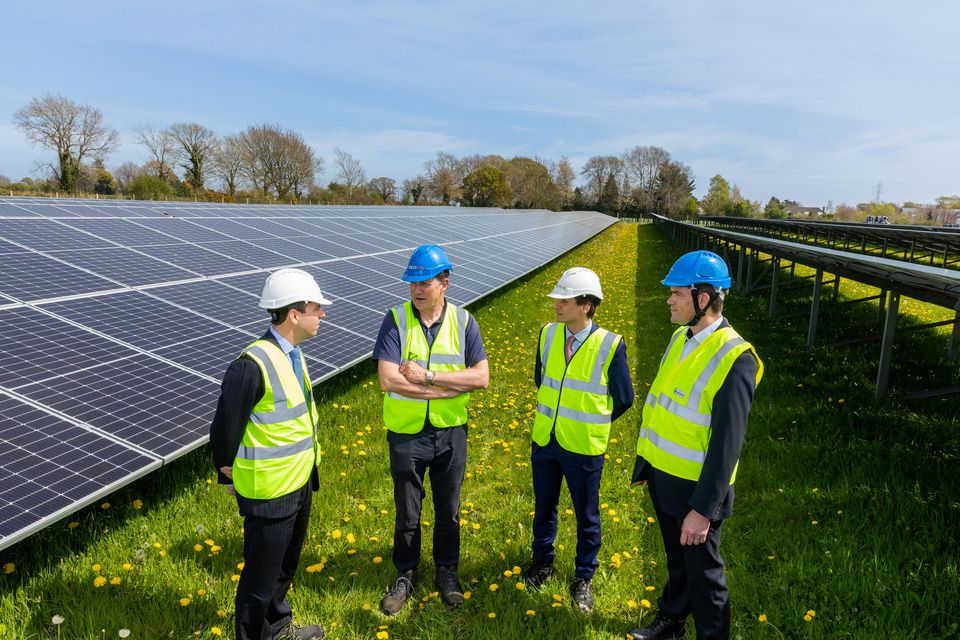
118,319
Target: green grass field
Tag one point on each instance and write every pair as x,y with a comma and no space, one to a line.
847,506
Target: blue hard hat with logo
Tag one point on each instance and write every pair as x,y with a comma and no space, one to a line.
698,267
427,261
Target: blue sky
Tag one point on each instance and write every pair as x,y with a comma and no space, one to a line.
813,101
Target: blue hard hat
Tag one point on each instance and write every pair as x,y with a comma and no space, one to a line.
427,261
696,267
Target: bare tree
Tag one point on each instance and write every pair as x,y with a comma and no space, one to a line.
444,175
74,131
160,146
643,166
602,174
228,162
563,176
278,160
125,174
349,173
413,189
386,188
194,144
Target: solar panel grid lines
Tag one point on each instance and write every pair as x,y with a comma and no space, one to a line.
118,350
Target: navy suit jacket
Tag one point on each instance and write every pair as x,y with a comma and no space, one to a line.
712,495
240,391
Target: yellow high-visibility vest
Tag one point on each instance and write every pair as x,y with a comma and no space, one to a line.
407,415
279,448
676,428
573,400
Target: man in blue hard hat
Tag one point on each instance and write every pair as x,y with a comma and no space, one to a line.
693,425
429,357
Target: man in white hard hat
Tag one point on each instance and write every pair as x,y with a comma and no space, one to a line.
429,357
264,446
583,385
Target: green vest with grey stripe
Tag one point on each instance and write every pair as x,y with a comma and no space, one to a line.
573,400
279,447
407,415
675,432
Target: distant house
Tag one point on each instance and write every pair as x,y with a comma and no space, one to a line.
797,210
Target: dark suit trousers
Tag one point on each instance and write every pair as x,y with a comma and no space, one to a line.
551,465
444,453
271,552
696,583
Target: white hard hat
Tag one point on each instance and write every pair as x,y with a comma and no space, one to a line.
287,286
578,281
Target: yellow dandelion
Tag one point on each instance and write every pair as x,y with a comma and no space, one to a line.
377,560
105,506
807,617
631,604
494,586
521,586
491,615
336,534
201,592
198,547
184,602
99,581
221,613
215,549
234,577
507,573
382,635
207,542
557,597
351,538
557,604
811,613
240,566
215,631
138,504
568,511
645,603
9,568
531,612
651,588
127,566
516,570
650,519
467,595
362,507
762,617
73,524
96,568
115,580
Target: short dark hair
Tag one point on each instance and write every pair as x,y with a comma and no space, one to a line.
592,300
279,316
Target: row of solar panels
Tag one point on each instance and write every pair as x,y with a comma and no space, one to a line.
114,332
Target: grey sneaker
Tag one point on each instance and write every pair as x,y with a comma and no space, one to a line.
449,587
398,593
293,632
582,593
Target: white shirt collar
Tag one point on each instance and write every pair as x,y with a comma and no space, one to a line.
285,344
704,333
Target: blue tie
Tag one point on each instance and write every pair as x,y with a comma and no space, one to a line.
298,367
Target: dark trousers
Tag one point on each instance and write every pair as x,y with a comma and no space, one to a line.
271,552
551,465
696,584
444,453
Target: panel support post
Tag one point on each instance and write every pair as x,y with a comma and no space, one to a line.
882,307
741,256
955,340
815,308
774,282
749,281
886,347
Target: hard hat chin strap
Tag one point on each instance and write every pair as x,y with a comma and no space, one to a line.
713,292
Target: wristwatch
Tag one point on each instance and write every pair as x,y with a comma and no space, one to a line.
429,377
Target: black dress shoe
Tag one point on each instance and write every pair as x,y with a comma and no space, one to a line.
663,628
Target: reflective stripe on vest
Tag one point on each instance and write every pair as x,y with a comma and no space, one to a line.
677,413
447,353
573,400
279,450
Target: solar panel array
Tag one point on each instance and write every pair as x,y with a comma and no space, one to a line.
118,319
